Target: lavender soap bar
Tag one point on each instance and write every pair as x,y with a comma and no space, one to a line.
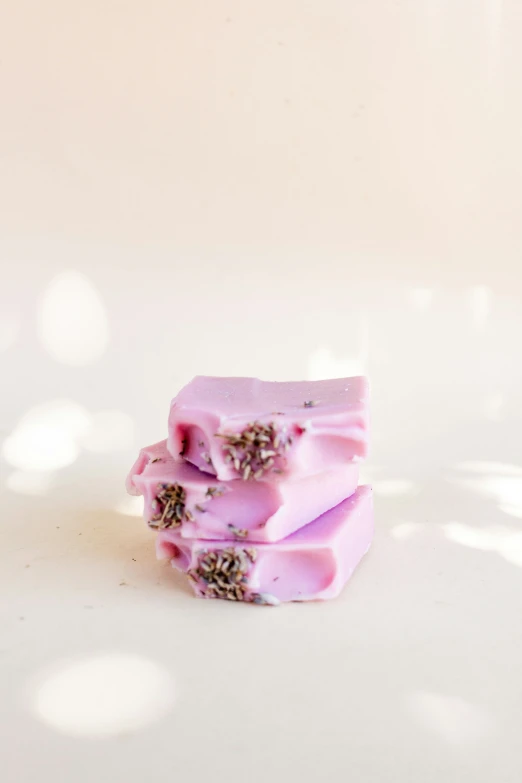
178,496
312,564
244,428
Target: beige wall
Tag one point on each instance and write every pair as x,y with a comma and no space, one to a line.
370,135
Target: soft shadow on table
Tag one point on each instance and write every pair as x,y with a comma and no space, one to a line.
87,547
128,546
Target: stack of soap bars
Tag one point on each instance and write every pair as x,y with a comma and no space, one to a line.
254,494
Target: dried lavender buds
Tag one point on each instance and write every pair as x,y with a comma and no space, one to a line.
238,532
223,573
254,451
265,599
169,507
214,492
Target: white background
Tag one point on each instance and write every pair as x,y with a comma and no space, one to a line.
291,190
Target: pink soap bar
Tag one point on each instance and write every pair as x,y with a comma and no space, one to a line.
251,429
313,563
178,495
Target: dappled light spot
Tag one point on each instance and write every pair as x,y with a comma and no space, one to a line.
513,510
108,431
485,539
45,437
9,328
492,406
27,482
511,549
500,468
505,490
42,448
496,538
394,487
102,695
404,530
454,720
49,436
368,473
480,298
421,298
323,364
499,481
130,506
72,321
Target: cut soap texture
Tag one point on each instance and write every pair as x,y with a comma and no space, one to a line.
254,493
178,495
250,429
314,563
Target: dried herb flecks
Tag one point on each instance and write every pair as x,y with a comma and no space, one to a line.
215,492
237,531
265,599
169,507
254,451
223,573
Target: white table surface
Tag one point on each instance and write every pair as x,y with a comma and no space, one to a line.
289,190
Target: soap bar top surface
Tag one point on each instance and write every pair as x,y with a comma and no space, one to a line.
252,429
179,496
312,564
